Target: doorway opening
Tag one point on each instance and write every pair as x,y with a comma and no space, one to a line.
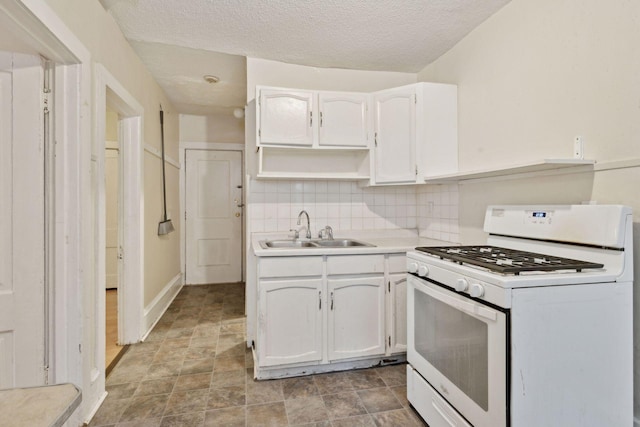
118,196
113,349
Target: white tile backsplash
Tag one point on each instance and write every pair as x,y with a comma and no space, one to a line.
438,212
433,209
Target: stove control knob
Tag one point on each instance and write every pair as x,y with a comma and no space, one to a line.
423,271
412,267
476,290
461,285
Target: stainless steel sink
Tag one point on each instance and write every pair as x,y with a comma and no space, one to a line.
340,243
286,244
296,244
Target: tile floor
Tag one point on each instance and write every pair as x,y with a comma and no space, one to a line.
194,371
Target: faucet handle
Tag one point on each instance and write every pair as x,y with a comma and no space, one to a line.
328,231
296,233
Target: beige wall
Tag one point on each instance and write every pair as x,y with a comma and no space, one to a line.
111,129
532,77
536,74
96,29
223,128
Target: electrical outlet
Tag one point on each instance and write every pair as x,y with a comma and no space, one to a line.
578,147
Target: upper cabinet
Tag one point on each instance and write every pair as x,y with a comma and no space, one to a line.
297,118
415,133
343,119
286,118
395,136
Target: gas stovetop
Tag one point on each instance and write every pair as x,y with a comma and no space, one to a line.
506,261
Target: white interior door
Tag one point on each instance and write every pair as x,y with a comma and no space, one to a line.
112,179
22,222
213,195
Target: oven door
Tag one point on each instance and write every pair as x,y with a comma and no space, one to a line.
460,347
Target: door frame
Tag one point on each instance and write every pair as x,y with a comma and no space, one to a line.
130,211
69,208
208,146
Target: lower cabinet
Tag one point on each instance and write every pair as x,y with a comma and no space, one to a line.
397,286
330,309
356,317
289,321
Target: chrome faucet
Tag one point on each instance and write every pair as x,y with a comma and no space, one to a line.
308,222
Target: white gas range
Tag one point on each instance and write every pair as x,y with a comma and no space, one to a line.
532,329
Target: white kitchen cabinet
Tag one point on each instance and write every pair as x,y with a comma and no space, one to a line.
321,313
289,321
297,118
415,133
396,278
343,119
308,135
395,136
356,317
397,335
408,137
286,118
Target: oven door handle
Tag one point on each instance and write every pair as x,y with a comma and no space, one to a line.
471,308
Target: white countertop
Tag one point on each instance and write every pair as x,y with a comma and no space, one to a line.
39,406
384,241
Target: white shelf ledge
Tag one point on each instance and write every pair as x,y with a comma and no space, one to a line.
537,166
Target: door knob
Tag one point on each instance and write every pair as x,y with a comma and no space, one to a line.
237,214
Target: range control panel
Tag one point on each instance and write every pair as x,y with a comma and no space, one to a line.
539,217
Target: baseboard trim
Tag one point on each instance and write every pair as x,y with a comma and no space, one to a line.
154,311
95,408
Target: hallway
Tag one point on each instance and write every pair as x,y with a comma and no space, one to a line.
194,370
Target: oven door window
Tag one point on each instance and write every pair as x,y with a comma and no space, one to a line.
454,343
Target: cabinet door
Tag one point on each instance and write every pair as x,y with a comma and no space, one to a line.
343,119
395,136
286,118
289,321
356,317
397,288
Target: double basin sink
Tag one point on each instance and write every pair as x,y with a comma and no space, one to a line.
320,243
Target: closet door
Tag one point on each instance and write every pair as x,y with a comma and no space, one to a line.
22,222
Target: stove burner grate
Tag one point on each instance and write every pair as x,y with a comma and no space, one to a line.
506,261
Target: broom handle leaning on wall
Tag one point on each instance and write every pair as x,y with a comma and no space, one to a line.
164,183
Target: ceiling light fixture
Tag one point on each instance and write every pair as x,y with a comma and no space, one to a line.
211,79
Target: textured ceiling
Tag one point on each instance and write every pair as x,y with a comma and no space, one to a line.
385,35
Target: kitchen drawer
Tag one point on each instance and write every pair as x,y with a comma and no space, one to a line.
431,406
294,266
397,263
355,264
